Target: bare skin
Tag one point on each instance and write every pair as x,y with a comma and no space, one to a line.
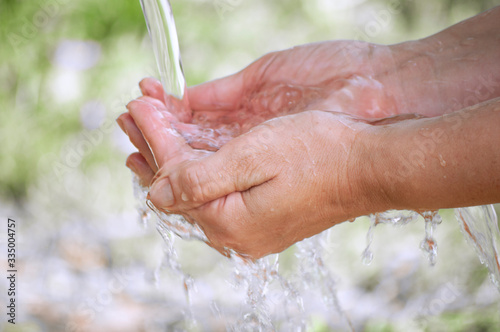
298,174
441,162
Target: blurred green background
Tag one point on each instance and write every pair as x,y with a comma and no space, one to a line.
67,69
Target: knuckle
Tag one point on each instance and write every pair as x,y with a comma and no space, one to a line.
249,165
194,179
246,158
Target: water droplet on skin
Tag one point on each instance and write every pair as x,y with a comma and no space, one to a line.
442,161
470,41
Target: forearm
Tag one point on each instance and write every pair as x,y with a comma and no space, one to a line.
441,162
453,69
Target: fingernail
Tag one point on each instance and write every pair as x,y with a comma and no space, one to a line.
129,105
162,194
121,124
132,167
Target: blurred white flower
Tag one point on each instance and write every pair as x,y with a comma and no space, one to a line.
92,114
77,54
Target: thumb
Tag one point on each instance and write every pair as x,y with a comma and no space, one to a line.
221,94
235,167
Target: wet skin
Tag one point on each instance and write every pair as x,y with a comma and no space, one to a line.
293,176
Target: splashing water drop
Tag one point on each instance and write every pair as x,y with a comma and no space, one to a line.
395,218
316,274
401,218
442,162
479,225
428,244
367,255
168,227
140,195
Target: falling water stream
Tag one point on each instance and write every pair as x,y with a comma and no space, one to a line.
274,302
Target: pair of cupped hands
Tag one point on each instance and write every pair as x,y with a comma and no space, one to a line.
270,155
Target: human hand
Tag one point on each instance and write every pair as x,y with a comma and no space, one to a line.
284,180
341,76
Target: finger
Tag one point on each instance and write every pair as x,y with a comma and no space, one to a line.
127,124
179,107
396,118
202,138
221,94
226,222
160,106
151,87
138,164
153,93
164,142
237,166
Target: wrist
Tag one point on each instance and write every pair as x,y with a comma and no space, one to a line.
414,77
367,168
451,70
385,180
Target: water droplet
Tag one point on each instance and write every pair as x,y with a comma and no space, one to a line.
470,41
429,245
367,256
442,161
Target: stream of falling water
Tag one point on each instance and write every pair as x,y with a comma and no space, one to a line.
479,225
274,302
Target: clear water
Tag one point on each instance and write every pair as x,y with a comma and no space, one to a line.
479,225
272,301
397,218
161,27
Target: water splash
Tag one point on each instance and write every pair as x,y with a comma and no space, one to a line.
316,274
429,244
479,224
401,218
140,194
169,226
255,278
272,302
396,218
